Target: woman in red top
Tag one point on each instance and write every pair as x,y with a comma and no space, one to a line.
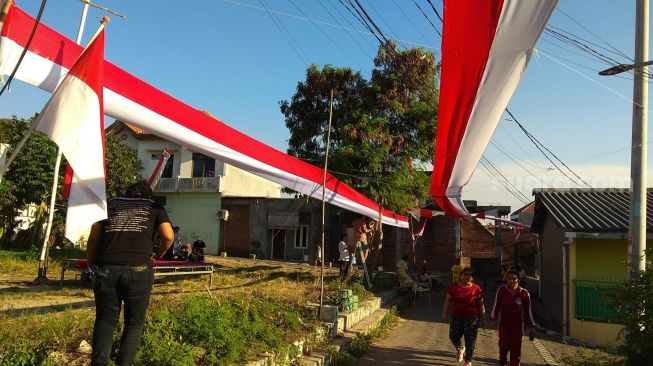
467,314
512,306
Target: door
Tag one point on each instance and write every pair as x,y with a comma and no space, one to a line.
278,244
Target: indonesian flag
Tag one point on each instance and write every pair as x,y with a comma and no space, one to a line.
158,169
73,118
486,46
420,232
130,99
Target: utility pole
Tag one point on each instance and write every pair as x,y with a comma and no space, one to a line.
638,160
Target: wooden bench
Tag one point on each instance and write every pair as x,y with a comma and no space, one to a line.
161,268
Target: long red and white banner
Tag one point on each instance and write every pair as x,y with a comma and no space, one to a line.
486,46
130,99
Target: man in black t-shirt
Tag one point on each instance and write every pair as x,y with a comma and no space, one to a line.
121,249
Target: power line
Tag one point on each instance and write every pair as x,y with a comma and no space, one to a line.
520,146
537,144
348,34
435,11
503,176
367,16
515,161
396,37
287,35
351,24
351,8
427,18
410,21
595,35
498,177
353,29
326,34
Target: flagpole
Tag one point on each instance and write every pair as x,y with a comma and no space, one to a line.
326,160
43,263
5,10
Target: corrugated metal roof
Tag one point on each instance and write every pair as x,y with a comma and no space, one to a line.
588,210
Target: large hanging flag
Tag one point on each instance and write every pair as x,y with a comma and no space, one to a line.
129,99
486,46
73,118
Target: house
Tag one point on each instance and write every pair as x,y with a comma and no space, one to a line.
524,214
583,238
445,239
193,185
273,228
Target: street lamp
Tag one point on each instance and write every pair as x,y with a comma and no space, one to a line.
638,158
618,69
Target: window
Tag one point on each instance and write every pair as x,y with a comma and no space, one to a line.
301,237
203,166
167,170
162,200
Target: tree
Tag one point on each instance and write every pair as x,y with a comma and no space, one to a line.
634,309
382,128
29,178
123,165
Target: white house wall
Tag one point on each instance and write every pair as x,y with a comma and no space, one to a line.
239,183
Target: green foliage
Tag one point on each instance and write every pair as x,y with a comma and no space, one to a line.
380,127
632,302
27,340
360,345
29,178
207,332
123,165
28,357
588,357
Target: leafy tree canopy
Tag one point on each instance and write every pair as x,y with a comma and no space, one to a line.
381,128
29,178
123,166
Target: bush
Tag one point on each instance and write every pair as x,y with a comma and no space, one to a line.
634,309
27,340
208,332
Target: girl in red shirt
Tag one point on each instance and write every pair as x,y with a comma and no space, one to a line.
467,314
512,306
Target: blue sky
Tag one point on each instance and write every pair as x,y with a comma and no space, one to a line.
228,58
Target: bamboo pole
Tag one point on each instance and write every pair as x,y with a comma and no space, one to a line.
324,174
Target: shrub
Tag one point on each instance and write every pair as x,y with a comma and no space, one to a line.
208,332
634,310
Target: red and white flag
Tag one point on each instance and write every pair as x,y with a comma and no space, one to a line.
128,98
73,118
158,169
486,46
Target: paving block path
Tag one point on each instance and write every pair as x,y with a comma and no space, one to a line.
421,338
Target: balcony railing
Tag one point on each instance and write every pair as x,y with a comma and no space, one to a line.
206,184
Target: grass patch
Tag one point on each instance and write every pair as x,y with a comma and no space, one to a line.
27,340
207,332
360,345
589,357
256,308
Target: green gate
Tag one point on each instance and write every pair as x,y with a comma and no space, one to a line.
590,299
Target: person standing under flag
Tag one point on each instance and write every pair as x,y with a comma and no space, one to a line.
73,119
119,252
